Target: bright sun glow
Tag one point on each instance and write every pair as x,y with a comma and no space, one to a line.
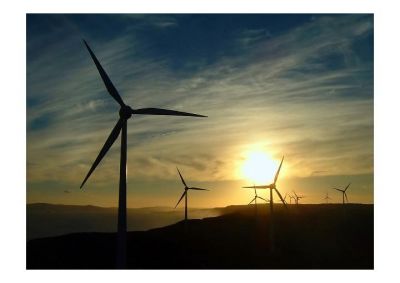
259,167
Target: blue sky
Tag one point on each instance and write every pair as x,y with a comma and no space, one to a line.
298,85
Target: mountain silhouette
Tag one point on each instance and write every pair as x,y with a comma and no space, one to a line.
319,236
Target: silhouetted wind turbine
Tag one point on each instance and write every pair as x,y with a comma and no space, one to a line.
297,198
125,113
327,198
271,188
343,192
255,198
290,198
186,188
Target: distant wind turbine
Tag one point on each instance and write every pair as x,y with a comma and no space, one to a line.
290,199
271,188
125,113
344,195
327,198
297,198
255,198
186,188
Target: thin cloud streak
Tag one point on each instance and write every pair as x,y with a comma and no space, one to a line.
280,93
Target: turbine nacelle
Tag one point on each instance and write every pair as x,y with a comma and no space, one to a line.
125,112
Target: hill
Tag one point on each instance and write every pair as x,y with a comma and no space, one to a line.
47,220
306,237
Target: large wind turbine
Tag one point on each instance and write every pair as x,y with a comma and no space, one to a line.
186,188
271,188
125,112
343,192
255,198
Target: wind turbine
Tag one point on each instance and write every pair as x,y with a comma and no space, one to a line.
290,198
186,188
343,192
327,198
125,113
271,188
297,198
255,198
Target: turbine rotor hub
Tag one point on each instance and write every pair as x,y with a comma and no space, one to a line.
125,112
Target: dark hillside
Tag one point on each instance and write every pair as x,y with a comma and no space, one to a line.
306,237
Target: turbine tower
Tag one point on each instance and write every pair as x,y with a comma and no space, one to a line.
272,187
125,113
186,188
343,193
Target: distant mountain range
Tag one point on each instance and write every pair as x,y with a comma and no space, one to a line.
47,220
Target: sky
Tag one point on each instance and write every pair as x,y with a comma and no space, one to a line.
294,85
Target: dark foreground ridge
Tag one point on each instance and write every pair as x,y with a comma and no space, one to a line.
306,237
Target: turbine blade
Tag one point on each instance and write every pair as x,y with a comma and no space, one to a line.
346,197
109,142
109,85
252,200
258,187
181,198
338,190
198,189
280,196
158,111
347,187
279,169
295,194
183,181
263,187
263,199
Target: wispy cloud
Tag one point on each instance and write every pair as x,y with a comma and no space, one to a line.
307,93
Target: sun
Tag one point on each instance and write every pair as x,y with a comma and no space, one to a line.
259,167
